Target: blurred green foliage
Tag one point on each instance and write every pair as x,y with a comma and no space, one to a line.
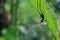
28,16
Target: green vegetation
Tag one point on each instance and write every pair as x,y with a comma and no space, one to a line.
25,18
44,8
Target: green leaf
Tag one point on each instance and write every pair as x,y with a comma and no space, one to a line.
44,8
